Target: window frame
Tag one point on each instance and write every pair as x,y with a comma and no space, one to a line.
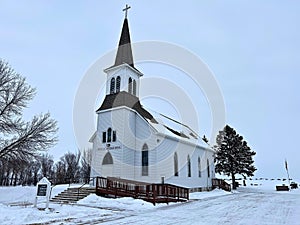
208,168
112,85
176,172
199,167
189,170
134,87
118,84
114,136
130,85
109,130
145,160
104,137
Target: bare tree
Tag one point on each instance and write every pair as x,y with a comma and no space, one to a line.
20,172
71,161
47,162
86,161
60,172
20,140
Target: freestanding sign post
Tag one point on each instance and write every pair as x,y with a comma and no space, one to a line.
43,189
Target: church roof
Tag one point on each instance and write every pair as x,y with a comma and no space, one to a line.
161,123
124,53
173,128
123,98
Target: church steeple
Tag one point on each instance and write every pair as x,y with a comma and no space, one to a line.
124,53
123,76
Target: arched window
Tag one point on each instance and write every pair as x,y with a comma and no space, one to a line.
114,137
134,87
103,137
189,166
118,85
145,160
130,85
109,135
199,167
175,165
107,160
208,170
112,85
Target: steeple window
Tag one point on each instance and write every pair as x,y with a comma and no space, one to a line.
112,85
134,87
118,85
130,85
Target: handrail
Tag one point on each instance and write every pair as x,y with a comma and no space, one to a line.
221,184
52,186
91,178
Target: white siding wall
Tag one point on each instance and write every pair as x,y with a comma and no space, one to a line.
194,181
132,133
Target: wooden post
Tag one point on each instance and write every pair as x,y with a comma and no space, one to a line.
154,194
287,171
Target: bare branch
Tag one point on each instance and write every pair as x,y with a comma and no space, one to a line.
18,139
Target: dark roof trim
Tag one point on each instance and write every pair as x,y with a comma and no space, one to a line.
123,98
180,134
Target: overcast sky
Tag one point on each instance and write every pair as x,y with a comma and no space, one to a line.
252,48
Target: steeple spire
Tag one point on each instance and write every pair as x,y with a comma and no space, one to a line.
124,53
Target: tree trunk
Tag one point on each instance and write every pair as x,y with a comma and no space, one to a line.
16,179
233,181
11,179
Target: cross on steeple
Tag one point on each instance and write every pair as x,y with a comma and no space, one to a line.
126,9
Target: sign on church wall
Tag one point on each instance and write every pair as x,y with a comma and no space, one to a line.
110,148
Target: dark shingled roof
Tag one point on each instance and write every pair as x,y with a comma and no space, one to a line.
124,53
125,99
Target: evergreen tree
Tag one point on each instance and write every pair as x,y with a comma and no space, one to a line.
233,155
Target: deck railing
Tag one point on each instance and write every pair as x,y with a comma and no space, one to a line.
155,193
220,184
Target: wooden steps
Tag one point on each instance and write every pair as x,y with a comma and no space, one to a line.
72,195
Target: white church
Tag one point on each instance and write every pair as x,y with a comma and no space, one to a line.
132,143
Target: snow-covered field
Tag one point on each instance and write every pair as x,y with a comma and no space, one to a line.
259,204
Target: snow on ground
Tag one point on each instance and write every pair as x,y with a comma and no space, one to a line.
256,204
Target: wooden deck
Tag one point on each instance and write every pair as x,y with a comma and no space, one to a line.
219,183
154,193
